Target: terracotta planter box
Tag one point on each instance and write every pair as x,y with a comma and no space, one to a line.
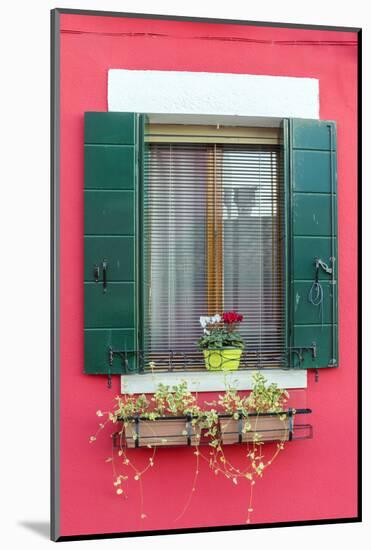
171,432
270,428
167,432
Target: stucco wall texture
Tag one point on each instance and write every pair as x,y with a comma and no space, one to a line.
184,92
312,479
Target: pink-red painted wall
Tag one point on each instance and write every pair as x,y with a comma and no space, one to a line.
312,479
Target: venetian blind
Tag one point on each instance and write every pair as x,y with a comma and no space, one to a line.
212,242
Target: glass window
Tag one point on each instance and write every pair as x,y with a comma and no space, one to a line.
213,242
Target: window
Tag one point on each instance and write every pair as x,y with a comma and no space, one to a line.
209,224
213,240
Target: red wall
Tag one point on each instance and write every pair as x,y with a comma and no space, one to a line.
312,479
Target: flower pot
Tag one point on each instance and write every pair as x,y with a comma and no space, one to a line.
160,433
222,359
268,428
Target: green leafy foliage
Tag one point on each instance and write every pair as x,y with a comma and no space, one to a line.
266,399
220,338
177,400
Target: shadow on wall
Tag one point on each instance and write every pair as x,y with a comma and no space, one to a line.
41,528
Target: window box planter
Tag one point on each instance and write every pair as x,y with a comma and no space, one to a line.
162,432
263,428
169,431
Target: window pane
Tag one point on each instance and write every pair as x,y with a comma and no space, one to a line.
174,245
213,240
252,244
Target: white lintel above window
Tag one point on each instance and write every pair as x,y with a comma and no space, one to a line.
215,94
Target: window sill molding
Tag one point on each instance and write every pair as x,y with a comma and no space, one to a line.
211,381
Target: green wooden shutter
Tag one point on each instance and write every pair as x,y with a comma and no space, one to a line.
311,222
112,148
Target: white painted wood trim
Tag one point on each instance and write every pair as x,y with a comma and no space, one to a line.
211,381
184,92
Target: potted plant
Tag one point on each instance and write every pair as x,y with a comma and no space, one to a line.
221,343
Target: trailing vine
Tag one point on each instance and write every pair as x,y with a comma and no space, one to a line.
205,420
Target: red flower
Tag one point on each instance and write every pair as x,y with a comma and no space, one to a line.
231,317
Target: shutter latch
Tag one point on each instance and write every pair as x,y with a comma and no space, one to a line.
320,263
104,269
96,273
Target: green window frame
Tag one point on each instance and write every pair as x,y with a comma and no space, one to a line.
113,263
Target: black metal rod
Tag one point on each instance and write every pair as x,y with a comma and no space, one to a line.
104,269
240,428
220,415
291,424
137,419
189,429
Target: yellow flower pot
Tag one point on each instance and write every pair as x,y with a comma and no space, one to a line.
222,359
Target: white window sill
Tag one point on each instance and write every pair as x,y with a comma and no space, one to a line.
211,381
